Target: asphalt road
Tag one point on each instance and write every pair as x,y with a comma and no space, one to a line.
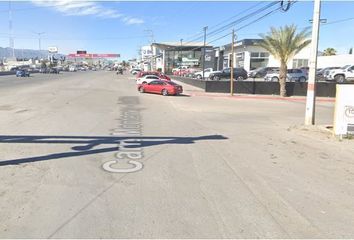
85,155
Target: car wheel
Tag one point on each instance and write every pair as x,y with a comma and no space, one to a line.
302,79
141,89
144,82
216,78
258,75
164,92
199,76
240,78
340,78
275,79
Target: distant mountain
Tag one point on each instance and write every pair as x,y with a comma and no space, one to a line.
22,53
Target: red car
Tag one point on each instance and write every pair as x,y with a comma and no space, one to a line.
162,87
159,74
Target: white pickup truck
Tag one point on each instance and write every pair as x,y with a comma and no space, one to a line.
342,74
207,72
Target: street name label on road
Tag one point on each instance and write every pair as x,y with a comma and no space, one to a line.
344,110
130,149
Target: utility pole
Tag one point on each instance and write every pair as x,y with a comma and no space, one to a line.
152,40
311,86
180,64
203,55
39,39
11,39
232,64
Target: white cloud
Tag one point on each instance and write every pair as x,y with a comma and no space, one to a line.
78,8
131,21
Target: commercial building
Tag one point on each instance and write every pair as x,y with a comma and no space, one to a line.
166,56
249,55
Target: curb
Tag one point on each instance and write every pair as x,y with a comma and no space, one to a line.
291,99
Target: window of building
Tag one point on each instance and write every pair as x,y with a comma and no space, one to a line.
298,63
259,55
258,60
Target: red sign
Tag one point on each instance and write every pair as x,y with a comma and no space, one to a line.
93,55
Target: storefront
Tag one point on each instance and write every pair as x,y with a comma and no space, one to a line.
249,55
167,56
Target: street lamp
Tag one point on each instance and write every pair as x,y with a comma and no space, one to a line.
39,39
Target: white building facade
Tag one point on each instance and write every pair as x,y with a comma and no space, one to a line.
249,55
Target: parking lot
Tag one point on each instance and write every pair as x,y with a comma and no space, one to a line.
85,155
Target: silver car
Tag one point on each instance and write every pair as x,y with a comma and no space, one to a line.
293,75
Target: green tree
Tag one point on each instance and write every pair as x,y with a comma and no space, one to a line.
351,51
329,52
283,43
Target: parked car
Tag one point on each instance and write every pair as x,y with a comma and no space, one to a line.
159,74
322,73
239,74
182,72
342,74
261,72
305,70
179,68
54,70
292,75
22,73
162,87
207,73
190,72
147,78
135,70
43,70
72,69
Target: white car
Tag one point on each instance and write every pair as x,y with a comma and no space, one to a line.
134,71
72,69
147,79
342,74
179,68
292,75
207,73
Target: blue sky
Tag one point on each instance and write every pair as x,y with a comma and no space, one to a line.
119,27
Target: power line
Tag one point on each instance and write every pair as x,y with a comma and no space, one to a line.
244,18
225,27
218,24
246,25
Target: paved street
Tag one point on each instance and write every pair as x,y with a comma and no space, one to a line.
191,166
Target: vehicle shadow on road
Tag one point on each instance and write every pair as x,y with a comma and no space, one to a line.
88,145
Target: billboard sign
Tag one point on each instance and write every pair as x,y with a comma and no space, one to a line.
94,55
52,49
146,52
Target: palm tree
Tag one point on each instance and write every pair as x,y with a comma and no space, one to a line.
329,52
283,44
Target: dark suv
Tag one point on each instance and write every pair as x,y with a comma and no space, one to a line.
239,74
261,72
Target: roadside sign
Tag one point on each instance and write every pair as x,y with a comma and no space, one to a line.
93,55
52,49
344,110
